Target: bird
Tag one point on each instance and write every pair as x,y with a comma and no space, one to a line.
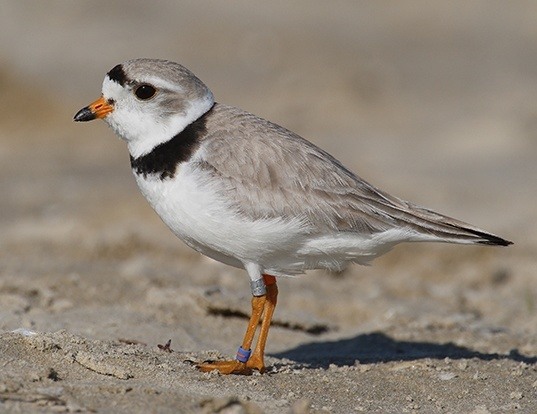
252,194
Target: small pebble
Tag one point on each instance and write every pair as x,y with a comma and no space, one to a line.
446,376
462,365
516,395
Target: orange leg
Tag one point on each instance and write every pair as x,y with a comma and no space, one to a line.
256,361
261,305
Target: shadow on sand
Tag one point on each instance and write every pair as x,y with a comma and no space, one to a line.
377,347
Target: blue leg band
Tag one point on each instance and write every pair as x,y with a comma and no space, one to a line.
243,355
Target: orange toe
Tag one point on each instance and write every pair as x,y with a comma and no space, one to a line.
256,363
226,367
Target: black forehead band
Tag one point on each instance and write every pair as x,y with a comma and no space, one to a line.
117,74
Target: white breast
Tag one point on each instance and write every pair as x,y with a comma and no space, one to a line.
192,206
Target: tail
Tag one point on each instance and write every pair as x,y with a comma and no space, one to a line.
421,224
489,239
446,229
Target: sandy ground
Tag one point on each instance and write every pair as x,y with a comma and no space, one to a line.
432,101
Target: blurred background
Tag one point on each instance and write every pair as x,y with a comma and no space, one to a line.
432,101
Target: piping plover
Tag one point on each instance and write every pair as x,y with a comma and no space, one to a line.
250,193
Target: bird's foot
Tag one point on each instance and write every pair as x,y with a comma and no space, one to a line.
233,366
226,367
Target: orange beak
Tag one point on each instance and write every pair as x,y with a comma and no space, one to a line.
98,109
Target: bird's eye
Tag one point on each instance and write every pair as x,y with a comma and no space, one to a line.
145,92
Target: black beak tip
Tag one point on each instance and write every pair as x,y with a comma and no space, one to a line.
84,115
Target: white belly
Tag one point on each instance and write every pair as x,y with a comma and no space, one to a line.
205,219
192,208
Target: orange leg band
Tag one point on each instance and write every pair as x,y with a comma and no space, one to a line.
269,280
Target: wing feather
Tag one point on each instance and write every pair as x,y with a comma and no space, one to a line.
269,172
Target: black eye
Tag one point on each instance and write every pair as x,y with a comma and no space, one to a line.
145,92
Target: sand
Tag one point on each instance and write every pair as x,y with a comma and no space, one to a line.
434,102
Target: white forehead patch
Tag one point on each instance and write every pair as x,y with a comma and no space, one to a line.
111,88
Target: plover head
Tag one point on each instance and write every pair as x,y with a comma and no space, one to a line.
147,101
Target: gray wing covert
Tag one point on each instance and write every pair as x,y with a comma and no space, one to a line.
269,172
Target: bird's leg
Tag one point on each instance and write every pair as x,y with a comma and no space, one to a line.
239,366
256,361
